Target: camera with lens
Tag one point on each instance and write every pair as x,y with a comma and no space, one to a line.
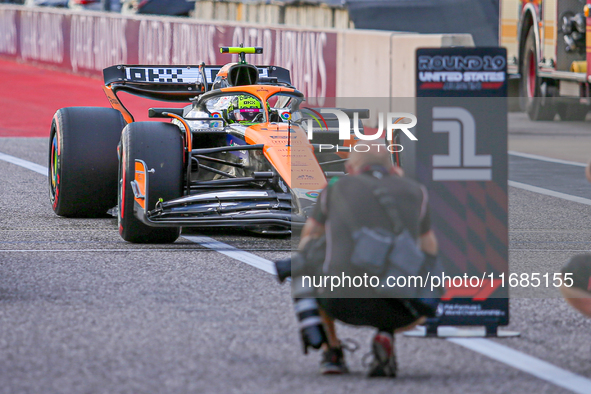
305,262
286,266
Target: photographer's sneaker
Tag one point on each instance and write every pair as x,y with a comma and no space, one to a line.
384,362
333,362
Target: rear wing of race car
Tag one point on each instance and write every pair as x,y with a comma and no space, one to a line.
178,83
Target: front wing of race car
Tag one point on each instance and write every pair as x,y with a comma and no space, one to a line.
264,210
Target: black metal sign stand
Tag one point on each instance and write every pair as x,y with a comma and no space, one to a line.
432,329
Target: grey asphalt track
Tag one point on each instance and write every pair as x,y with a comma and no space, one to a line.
81,311
563,178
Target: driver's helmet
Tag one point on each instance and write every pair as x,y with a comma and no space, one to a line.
245,109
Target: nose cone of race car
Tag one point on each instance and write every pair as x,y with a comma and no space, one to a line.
290,153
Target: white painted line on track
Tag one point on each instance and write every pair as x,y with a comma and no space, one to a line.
504,354
551,193
227,248
536,367
24,163
547,159
101,250
235,253
549,250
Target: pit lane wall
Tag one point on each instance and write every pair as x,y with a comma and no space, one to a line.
323,62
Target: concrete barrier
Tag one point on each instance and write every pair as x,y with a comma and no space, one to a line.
384,60
402,58
374,64
364,59
323,62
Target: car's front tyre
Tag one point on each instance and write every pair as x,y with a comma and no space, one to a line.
160,146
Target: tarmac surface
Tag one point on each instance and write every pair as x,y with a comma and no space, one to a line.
82,311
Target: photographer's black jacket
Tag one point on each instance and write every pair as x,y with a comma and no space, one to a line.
411,200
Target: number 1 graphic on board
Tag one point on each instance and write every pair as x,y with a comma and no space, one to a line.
461,163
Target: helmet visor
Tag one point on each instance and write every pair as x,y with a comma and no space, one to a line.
246,114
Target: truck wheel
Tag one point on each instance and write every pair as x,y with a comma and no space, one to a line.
572,112
82,168
160,146
536,93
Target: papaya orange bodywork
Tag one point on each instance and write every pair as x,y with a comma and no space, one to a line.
188,135
263,92
224,70
116,104
291,155
140,179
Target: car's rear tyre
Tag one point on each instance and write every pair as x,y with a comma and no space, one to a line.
160,146
537,94
82,168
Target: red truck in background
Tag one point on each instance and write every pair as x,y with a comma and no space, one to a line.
548,51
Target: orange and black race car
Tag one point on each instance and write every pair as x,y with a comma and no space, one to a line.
235,156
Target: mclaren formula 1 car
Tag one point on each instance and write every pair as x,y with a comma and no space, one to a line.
236,156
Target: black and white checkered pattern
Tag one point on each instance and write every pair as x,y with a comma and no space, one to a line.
169,75
163,75
174,75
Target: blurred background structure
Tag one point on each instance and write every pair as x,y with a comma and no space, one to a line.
480,18
310,13
477,17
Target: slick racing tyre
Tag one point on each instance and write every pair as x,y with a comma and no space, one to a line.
82,168
160,146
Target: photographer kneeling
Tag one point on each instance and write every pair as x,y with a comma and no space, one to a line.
345,206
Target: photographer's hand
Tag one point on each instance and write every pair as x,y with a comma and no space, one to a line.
312,229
